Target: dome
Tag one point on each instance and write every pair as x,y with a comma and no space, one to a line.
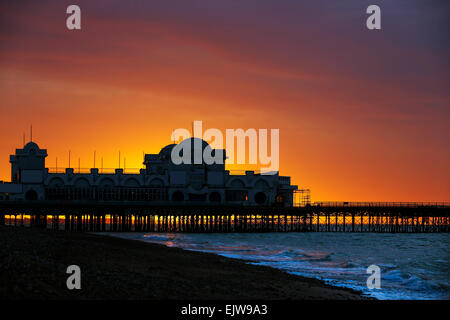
167,150
31,147
194,144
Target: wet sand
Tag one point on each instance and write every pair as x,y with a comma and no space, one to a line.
34,263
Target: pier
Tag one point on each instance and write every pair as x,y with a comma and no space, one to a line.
142,216
168,197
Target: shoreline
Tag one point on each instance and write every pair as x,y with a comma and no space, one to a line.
35,262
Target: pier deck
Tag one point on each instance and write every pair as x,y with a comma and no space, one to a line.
178,217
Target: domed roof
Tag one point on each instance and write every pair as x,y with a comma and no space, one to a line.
196,146
194,142
167,150
30,146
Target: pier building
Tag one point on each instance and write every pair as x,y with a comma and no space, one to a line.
159,181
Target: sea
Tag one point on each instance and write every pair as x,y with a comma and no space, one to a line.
412,266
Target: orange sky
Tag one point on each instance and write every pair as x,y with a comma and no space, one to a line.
363,115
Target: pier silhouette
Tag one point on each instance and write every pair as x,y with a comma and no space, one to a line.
118,216
200,197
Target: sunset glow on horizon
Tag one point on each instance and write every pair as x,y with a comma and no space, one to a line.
363,115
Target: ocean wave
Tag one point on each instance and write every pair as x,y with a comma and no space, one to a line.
156,238
339,259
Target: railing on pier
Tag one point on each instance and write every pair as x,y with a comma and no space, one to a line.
77,170
243,172
343,204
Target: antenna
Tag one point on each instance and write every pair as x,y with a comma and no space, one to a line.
119,159
24,139
31,133
94,158
69,159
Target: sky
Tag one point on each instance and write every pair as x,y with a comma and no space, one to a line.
363,114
